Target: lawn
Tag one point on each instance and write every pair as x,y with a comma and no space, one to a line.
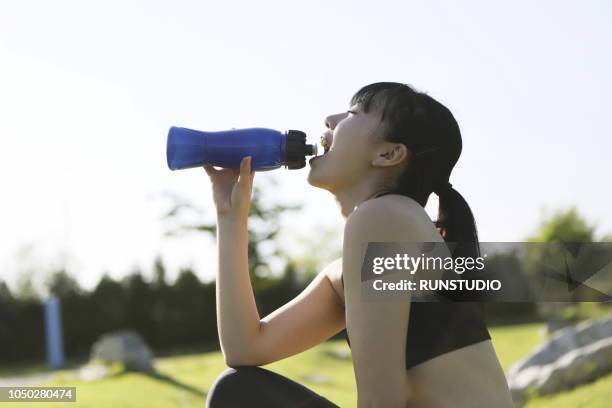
186,379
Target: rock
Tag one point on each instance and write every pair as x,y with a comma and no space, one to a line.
554,325
566,340
571,357
126,347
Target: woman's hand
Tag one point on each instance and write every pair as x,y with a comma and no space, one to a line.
232,189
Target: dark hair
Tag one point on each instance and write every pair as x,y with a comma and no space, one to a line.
431,133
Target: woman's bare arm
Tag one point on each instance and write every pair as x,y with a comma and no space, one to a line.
310,318
313,316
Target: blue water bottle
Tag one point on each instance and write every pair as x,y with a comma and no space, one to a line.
269,149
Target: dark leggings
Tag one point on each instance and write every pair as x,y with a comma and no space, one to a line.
258,387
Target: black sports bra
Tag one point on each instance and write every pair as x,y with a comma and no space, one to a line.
436,328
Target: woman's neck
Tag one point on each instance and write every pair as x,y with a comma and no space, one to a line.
349,199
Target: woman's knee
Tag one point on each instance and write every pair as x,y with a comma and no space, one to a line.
258,387
233,387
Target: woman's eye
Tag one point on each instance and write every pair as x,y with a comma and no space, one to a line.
350,111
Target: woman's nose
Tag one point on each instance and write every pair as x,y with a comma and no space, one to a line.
332,120
329,122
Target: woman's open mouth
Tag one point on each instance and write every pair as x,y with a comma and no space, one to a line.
326,147
325,143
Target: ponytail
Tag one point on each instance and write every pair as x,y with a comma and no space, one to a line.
456,222
430,132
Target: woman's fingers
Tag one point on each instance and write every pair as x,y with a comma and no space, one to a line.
242,176
252,172
245,172
232,187
210,170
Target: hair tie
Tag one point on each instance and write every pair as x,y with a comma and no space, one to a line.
443,188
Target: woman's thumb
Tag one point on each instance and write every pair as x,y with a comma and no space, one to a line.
245,170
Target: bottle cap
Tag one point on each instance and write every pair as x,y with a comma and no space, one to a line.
296,150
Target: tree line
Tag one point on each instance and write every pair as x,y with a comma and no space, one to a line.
179,315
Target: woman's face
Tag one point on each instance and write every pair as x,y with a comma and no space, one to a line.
350,138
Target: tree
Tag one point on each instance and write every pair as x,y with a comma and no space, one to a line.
564,226
139,297
264,226
159,272
555,233
5,293
62,285
109,303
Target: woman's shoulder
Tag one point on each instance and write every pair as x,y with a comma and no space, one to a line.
391,212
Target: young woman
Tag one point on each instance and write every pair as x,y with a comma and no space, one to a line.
384,157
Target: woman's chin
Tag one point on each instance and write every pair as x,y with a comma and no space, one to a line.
312,180
315,180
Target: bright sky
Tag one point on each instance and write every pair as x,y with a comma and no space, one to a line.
88,92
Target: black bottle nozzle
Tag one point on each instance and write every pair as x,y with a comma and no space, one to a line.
297,149
311,150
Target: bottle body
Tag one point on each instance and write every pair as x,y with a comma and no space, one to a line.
188,148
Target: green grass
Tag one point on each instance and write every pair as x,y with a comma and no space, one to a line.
594,395
187,378
512,343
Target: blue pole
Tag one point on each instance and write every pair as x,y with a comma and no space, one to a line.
53,330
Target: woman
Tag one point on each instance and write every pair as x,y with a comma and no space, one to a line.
384,157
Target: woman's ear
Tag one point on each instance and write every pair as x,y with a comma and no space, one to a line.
390,154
